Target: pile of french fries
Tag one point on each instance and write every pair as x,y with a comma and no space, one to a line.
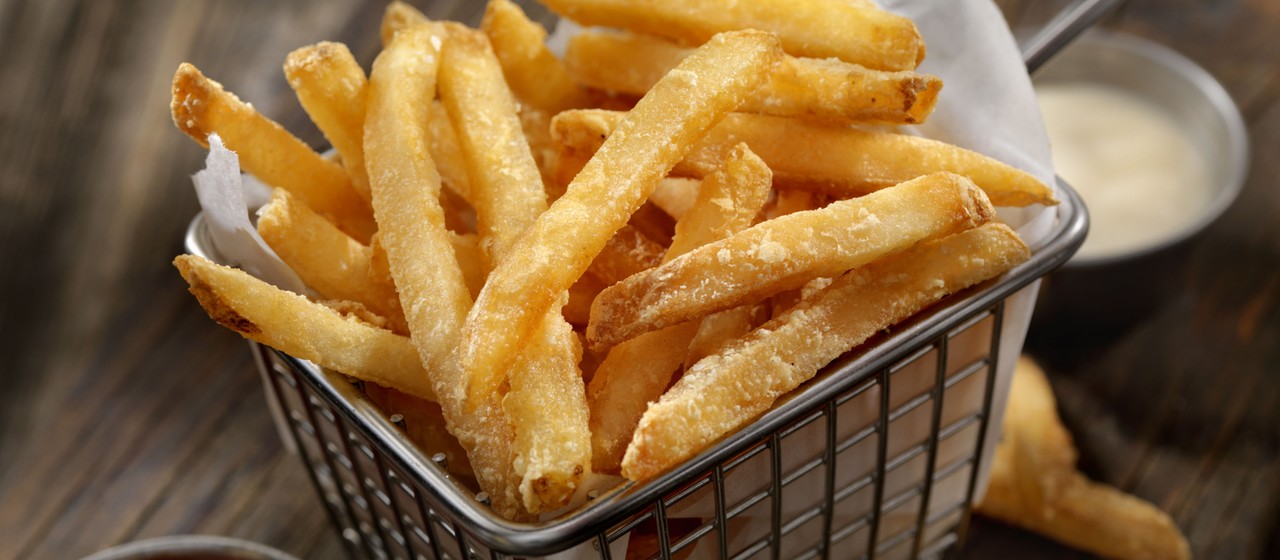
607,262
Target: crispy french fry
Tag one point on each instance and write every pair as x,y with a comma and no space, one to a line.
560,245
466,247
327,260
547,403
839,161
535,74
637,372
728,202
1034,485
824,90
785,253
406,189
446,151
507,190
627,252
724,391
331,87
718,330
859,34
201,107
304,329
675,195
397,16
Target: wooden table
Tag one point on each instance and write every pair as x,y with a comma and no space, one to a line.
127,414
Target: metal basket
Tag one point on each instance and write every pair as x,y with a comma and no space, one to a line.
879,456
876,457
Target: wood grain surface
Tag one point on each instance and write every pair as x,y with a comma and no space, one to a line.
126,413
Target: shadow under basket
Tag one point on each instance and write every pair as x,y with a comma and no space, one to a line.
878,456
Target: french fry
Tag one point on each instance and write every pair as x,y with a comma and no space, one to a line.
839,161
637,372
824,90
546,404
854,33
675,195
724,391
406,190
718,330
560,245
444,146
627,252
466,247
304,329
399,15
507,191
331,87
201,107
1034,484
326,259
785,253
728,202
535,75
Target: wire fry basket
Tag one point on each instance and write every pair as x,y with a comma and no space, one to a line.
879,456
876,457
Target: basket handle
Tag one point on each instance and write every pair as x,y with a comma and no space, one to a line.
1063,29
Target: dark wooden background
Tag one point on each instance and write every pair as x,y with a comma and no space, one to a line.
125,413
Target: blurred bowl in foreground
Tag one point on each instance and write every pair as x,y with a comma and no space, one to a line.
191,547
1158,151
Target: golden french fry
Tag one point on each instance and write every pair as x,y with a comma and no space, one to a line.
785,253
627,252
824,90
637,372
728,202
547,406
304,329
839,161
406,191
859,34
724,391
560,245
397,16
675,195
718,330
328,261
535,75
506,189
446,151
466,247
201,107
331,87
1034,485
632,375
547,403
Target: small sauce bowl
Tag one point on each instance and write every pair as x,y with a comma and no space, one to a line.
1126,284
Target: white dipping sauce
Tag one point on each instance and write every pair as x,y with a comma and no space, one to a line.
1136,169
